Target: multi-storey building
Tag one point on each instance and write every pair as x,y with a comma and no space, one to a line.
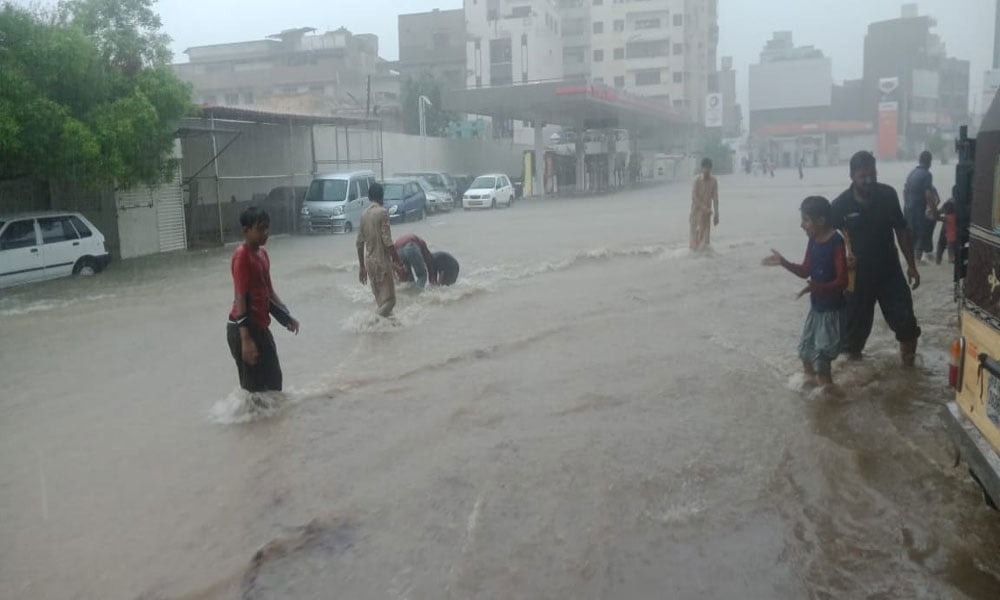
930,90
662,49
434,42
297,71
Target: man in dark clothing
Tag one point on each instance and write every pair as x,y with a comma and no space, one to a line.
868,213
918,194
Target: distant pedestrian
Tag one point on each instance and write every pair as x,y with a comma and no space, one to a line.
918,195
869,213
704,204
825,266
248,334
802,164
376,252
949,232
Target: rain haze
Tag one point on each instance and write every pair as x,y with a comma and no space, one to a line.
560,312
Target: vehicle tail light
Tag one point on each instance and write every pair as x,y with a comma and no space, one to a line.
955,363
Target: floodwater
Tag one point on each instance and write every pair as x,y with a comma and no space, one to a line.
591,413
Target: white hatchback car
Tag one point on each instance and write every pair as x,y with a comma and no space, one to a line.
489,190
46,245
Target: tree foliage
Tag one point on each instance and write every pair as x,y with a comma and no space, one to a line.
721,154
424,84
87,94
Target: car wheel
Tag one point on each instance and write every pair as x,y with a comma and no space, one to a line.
85,267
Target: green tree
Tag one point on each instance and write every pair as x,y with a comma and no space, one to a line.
425,84
87,94
936,145
721,154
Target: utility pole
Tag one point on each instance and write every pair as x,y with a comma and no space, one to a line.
368,102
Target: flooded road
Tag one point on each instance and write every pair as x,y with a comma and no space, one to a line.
591,413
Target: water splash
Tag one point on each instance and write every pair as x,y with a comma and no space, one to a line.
241,406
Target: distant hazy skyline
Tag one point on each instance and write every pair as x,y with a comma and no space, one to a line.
837,27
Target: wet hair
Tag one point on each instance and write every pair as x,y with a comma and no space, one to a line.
926,158
861,160
447,268
253,216
376,193
816,207
706,163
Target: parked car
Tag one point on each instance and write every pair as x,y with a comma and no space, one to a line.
405,199
489,190
437,200
438,180
46,245
335,202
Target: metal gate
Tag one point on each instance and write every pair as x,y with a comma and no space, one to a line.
170,223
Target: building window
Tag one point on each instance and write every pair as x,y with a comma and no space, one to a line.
574,55
647,24
647,49
574,26
648,77
619,81
619,53
678,20
619,25
679,77
501,65
598,55
678,49
598,26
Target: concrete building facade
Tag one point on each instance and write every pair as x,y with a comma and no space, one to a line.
512,42
664,50
434,42
296,71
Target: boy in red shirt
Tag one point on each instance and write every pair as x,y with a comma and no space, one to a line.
825,266
248,333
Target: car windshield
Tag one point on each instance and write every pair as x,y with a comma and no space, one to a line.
425,184
395,191
484,183
327,190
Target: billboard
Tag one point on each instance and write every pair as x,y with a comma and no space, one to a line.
888,129
926,84
713,110
786,84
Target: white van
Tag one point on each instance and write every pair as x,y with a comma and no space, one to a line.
335,201
46,245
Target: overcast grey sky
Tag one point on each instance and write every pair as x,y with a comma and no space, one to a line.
835,26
